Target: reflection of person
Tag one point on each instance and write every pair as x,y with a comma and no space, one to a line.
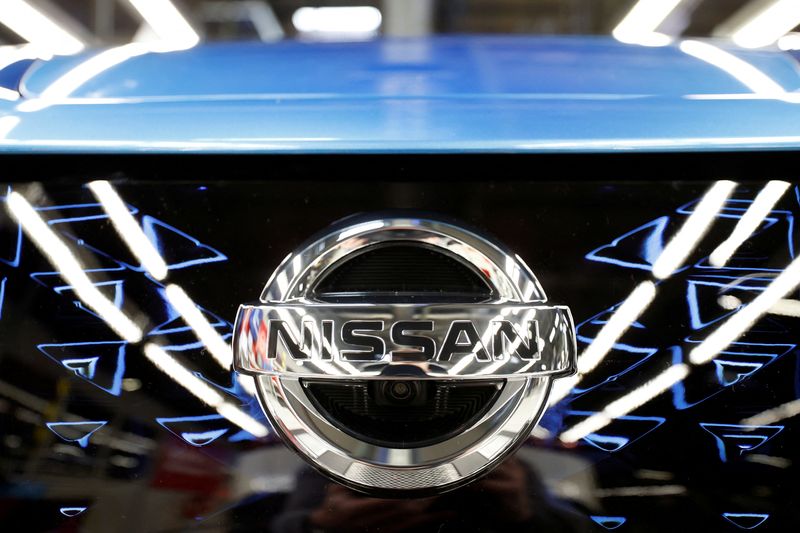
510,498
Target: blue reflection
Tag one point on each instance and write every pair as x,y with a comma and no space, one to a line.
159,233
738,437
711,293
733,365
176,324
609,522
78,432
118,298
2,295
644,243
746,520
83,358
626,430
241,436
52,278
218,427
95,212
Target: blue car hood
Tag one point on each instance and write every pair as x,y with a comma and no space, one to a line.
456,94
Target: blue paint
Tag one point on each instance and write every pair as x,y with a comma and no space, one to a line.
458,94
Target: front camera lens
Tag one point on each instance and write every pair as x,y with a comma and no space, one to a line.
400,390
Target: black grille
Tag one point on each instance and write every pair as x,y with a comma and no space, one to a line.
400,272
437,411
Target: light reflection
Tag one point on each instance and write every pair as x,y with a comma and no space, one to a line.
733,328
7,124
36,27
172,29
79,75
128,229
213,341
693,229
669,260
626,404
640,24
776,414
750,221
343,20
754,79
770,23
63,260
740,322
200,389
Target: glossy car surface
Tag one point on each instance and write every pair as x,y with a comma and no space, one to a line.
262,147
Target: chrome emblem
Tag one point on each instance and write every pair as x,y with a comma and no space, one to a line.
403,356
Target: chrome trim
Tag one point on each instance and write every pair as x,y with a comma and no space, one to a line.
502,360
288,304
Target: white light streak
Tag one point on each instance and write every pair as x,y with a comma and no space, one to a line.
747,74
739,323
79,75
183,376
37,28
70,269
625,315
749,222
343,20
626,404
167,23
129,229
790,41
720,339
360,228
7,124
216,345
768,25
639,25
776,414
202,390
242,419
695,227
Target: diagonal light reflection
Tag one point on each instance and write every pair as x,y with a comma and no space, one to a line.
749,222
669,260
70,269
733,328
63,260
693,229
129,229
200,389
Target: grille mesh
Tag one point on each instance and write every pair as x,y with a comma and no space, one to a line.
403,270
